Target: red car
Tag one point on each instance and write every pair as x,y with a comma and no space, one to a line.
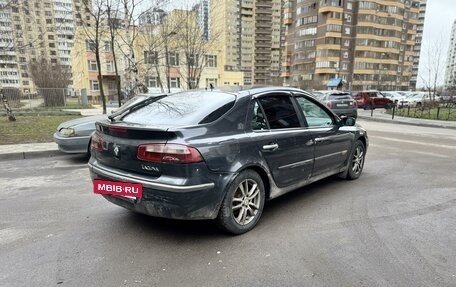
372,100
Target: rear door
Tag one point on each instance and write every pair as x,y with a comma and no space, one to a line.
283,142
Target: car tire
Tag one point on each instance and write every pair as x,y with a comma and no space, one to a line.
356,161
388,106
243,203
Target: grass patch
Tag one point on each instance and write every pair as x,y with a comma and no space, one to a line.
442,113
30,129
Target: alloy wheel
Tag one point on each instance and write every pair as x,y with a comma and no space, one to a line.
246,200
358,160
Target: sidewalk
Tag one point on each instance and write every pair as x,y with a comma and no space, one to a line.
36,150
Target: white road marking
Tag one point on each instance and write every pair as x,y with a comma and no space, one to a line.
417,143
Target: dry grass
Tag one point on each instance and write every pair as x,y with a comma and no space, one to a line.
30,129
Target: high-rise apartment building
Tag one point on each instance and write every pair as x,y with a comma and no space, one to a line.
450,74
35,29
248,32
367,44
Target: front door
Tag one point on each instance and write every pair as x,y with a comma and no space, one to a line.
331,144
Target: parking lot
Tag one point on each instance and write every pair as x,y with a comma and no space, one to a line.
394,226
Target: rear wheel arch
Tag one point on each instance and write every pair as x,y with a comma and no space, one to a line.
264,176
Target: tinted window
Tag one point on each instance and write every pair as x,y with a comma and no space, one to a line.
187,108
339,97
280,112
314,114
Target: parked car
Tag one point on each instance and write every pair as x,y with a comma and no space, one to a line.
340,103
418,99
74,136
392,95
177,158
372,99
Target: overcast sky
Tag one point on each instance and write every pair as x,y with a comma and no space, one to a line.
440,15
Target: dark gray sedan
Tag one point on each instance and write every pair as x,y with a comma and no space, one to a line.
221,154
340,103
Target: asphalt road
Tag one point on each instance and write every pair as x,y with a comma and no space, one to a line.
395,226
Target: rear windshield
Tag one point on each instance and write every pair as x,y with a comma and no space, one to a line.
339,97
181,109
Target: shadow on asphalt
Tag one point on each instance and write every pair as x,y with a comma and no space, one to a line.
273,214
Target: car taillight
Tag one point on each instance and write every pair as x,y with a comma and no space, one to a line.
169,153
96,142
328,104
355,103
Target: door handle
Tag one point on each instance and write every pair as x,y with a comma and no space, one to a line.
270,147
319,140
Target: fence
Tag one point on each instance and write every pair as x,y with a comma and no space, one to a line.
52,98
445,111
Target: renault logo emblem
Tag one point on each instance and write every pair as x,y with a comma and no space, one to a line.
117,151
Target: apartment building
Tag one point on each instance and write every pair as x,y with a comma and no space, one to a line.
450,73
36,29
161,57
249,34
370,44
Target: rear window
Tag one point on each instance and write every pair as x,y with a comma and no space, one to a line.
186,108
339,97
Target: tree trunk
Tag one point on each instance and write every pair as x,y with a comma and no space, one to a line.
9,111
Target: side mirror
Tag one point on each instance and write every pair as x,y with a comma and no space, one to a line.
348,121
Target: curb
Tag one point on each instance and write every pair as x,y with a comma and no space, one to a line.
30,155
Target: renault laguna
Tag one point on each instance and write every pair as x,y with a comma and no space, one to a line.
220,154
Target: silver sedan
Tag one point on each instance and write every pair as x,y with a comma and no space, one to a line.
74,136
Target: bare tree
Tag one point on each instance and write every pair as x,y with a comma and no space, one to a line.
157,40
95,32
53,77
195,47
112,9
433,67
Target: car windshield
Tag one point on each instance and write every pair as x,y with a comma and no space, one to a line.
186,108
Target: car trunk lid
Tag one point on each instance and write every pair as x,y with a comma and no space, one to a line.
117,144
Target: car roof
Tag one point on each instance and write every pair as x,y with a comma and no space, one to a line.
242,91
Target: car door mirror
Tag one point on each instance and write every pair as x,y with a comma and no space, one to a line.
348,121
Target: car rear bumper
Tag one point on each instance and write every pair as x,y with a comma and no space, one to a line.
199,201
72,144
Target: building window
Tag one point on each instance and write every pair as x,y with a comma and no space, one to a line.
107,46
193,60
349,6
92,65
211,61
94,85
173,59
151,57
174,82
90,45
109,66
154,82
